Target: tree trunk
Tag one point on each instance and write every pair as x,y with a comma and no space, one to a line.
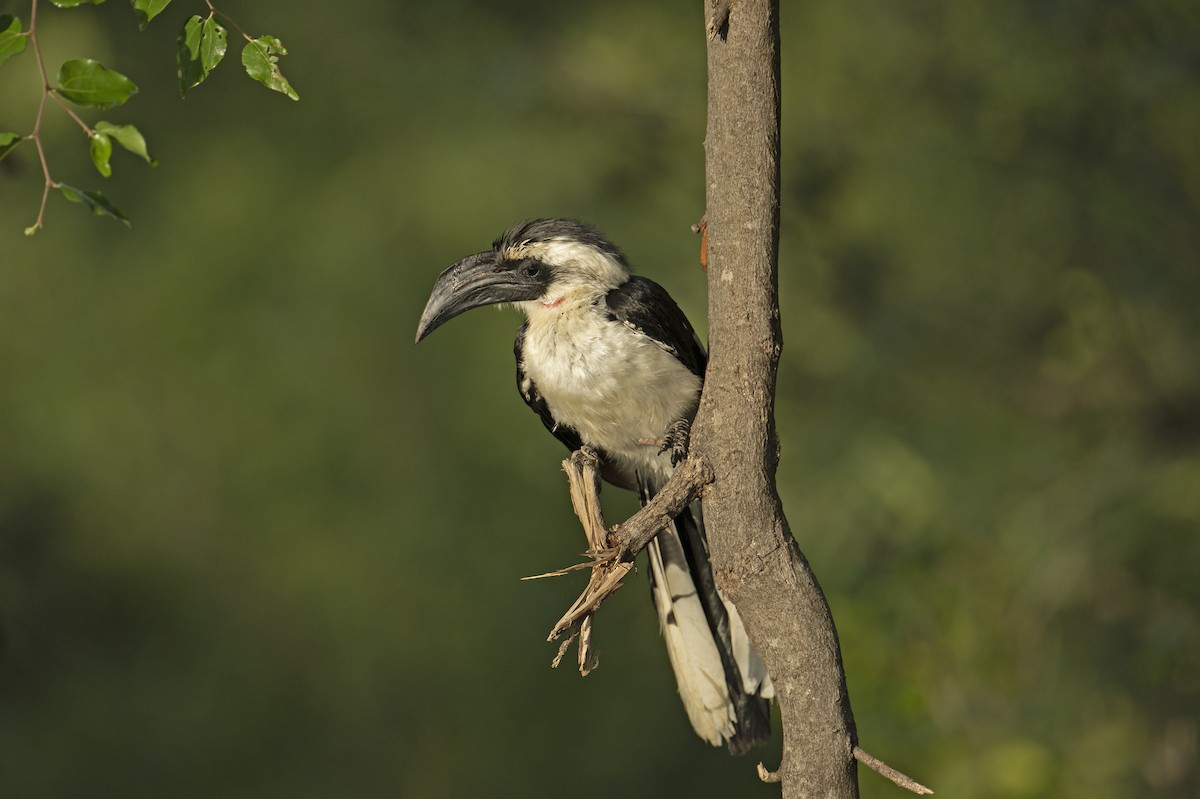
756,561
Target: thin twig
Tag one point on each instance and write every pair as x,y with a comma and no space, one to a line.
605,580
561,572
232,22
71,113
879,767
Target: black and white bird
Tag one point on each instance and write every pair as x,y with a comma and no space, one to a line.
609,361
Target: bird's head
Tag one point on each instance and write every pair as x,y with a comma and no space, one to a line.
542,263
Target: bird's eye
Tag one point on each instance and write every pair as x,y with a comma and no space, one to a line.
531,269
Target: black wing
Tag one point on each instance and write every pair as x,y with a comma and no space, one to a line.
646,307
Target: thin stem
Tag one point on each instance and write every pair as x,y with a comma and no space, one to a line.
36,135
71,113
232,22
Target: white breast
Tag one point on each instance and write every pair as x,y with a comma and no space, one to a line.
613,385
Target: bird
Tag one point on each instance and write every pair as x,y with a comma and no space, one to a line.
609,362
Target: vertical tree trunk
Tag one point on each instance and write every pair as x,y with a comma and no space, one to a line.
756,561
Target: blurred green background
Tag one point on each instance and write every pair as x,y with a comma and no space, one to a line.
255,543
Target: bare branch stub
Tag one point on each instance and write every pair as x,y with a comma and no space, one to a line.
701,228
718,20
768,776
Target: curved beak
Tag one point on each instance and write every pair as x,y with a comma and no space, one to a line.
474,281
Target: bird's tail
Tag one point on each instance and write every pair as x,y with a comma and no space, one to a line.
724,686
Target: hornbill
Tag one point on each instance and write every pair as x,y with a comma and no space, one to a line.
610,362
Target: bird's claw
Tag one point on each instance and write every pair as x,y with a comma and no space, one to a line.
676,441
585,456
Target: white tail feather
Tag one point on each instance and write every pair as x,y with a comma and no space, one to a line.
755,679
690,644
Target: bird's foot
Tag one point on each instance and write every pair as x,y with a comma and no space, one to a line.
676,441
585,456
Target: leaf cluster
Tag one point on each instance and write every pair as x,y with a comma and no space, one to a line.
202,45
86,83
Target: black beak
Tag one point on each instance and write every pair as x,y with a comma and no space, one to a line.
474,281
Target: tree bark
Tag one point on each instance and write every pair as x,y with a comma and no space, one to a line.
756,561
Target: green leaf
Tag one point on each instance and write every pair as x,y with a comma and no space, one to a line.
212,44
147,10
128,137
88,83
7,142
97,202
201,48
101,152
73,3
261,59
12,41
187,58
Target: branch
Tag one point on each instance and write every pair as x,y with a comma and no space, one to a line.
613,552
756,562
685,485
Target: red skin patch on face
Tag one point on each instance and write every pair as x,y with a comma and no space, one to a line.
554,303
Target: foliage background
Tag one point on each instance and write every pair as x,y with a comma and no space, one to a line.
255,543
